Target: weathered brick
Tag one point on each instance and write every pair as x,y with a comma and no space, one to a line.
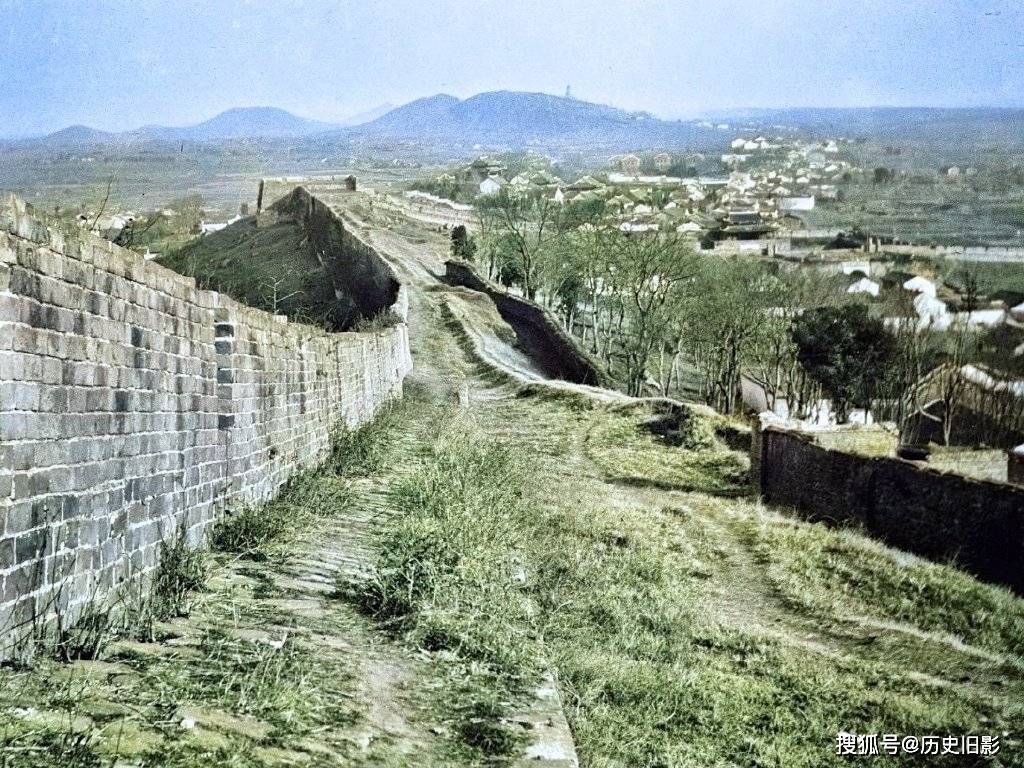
132,404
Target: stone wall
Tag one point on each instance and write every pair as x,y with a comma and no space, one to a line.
940,515
1015,465
541,335
134,407
998,253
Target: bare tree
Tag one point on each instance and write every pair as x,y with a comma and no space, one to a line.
103,204
274,296
528,225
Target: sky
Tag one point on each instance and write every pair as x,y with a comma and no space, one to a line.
119,65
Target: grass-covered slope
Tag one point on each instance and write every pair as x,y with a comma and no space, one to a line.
272,267
295,259
687,625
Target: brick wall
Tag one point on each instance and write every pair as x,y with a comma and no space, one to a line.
979,524
134,406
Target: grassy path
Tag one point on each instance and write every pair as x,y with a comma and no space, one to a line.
689,625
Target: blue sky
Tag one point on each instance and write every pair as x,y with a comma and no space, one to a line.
117,65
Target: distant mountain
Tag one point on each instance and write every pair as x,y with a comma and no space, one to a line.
514,119
238,123
519,118
76,134
253,122
371,114
500,118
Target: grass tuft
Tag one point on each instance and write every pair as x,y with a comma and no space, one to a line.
182,572
362,451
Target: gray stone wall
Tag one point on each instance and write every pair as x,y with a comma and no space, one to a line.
978,524
540,335
134,406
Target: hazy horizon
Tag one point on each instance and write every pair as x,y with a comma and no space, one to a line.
119,66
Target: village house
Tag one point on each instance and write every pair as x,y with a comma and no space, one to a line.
208,227
921,285
492,185
630,164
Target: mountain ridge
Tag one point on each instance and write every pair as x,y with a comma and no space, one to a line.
518,119
233,123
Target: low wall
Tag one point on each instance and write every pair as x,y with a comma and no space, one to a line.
939,515
542,337
134,406
998,253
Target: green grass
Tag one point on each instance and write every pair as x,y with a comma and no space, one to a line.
362,451
182,572
379,322
449,560
626,449
446,546
262,531
839,573
509,558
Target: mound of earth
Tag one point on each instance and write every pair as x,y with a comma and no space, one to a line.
294,259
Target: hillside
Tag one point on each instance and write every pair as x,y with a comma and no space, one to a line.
295,259
240,122
519,118
77,134
244,122
993,126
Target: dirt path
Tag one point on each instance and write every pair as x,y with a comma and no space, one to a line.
323,683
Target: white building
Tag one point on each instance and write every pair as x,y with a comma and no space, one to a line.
927,306
635,226
864,286
795,204
921,285
208,227
622,178
689,227
849,267
491,185
984,318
